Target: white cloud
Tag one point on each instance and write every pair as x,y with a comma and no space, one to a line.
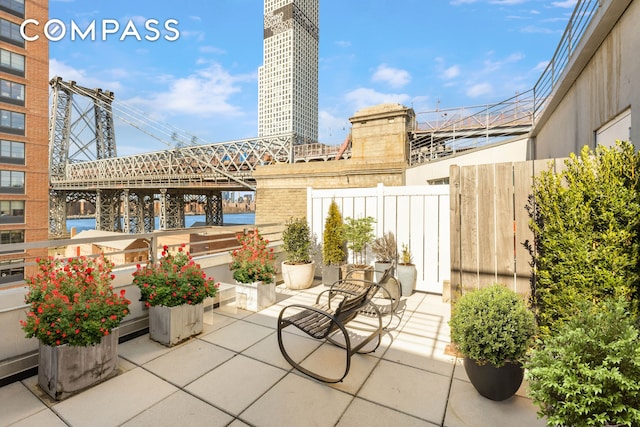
459,2
507,2
365,97
490,66
451,72
532,29
394,77
343,43
206,92
81,77
540,66
564,4
480,89
211,49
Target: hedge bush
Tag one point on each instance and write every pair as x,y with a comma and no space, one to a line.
585,220
588,374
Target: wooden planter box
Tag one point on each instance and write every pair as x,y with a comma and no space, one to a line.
172,325
255,296
65,370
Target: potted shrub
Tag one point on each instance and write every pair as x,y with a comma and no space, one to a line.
298,268
493,328
358,233
253,270
333,245
586,373
407,272
385,250
174,288
75,315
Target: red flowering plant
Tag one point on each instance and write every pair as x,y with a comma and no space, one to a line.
72,301
173,280
253,261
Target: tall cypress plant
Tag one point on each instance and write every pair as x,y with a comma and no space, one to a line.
333,240
586,223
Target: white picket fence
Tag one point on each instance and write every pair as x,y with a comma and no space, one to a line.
416,215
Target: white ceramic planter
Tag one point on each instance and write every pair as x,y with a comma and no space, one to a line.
172,325
255,296
298,276
65,370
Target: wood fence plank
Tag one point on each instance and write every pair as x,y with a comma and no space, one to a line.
455,232
486,217
504,224
523,188
468,228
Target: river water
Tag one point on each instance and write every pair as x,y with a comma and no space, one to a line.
82,224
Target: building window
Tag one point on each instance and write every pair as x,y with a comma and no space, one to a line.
12,122
12,182
8,237
12,62
11,211
11,271
10,33
11,92
14,7
11,152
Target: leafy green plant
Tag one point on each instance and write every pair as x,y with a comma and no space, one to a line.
585,221
492,325
588,373
297,241
359,234
405,256
333,241
385,248
173,280
72,302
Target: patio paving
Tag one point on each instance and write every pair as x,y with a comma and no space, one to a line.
234,375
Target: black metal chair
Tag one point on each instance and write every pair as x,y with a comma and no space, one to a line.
328,319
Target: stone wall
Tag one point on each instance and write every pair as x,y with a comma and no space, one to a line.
379,155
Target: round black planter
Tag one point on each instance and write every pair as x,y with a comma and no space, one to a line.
494,383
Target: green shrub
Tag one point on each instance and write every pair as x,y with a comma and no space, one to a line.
359,233
585,220
333,241
297,240
588,374
492,325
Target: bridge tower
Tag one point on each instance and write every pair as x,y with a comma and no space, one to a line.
82,136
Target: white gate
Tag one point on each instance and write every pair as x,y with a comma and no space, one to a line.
416,215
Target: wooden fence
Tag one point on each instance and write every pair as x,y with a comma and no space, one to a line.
490,224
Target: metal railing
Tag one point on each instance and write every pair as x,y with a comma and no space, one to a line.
580,19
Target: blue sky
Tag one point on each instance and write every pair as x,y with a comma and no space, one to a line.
420,53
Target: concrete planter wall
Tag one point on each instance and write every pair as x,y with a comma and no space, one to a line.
255,296
408,275
65,370
172,325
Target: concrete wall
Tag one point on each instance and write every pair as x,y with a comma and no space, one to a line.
514,150
600,82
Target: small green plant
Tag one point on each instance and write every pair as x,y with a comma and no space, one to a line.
359,234
588,373
297,240
492,325
385,248
405,255
333,241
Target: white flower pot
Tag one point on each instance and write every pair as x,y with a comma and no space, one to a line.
255,296
298,276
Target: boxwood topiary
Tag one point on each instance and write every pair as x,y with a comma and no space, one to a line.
588,374
492,325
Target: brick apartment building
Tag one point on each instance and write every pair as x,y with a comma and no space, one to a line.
24,143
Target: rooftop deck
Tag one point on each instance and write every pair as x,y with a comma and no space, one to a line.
233,374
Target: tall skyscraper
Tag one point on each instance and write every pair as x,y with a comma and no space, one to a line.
288,78
24,141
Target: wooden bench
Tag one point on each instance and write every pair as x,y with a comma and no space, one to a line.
327,320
